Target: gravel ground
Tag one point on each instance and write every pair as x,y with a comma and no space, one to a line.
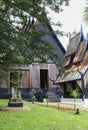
62,106
14,108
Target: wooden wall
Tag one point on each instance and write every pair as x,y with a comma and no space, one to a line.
31,75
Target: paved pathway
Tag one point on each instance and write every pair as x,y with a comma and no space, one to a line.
67,104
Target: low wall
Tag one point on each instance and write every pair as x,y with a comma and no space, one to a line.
71,100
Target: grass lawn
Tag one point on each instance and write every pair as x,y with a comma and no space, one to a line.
42,118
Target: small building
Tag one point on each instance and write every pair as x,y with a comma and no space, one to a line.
38,76
75,75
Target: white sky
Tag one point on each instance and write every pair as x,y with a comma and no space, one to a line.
71,18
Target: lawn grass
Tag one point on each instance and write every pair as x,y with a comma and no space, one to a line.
42,118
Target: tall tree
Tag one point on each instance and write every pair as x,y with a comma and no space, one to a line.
85,16
18,46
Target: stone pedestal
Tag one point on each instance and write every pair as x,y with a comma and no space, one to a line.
15,104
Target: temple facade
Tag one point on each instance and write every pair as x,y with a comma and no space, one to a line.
75,75
38,76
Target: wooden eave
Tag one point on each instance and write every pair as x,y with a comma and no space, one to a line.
71,75
67,61
85,59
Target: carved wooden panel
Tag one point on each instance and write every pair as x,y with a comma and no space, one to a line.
25,79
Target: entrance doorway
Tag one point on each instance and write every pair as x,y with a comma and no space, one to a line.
44,79
68,86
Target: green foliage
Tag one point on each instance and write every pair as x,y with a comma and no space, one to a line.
15,77
19,88
85,14
75,93
19,48
58,105
41,118
32,94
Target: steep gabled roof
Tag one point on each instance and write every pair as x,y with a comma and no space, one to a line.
80,49
76,59
76,49
74,43
47,34
51,36
80,53
56,38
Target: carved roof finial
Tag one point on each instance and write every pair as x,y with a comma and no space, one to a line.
81,32
69,35
87,37
87,42
81,29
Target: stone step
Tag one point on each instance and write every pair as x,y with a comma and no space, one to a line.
53,97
